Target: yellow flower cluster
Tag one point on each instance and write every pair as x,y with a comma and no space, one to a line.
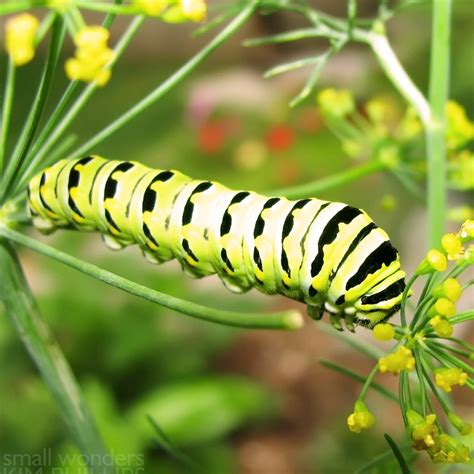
91,57
20,34
423,430
361,418
401,359
448,450
442,448
445,378
336,103
459,130
383,332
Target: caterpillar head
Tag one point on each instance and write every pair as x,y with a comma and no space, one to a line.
375,306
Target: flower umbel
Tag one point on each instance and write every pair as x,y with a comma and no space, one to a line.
92,55
361,419
401,359
445,378
434,261
20,34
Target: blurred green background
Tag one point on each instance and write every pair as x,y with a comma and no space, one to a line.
228,401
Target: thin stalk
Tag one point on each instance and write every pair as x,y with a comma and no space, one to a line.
282,320
170,83
37,108
339,179
435,131
368,382
7,110
421,380
47,355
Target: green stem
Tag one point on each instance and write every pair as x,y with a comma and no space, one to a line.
282,320
7,110
31,124
421,380
368,382
462,317
436,129
171,82
44,350
333,181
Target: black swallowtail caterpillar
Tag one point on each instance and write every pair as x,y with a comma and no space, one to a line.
328,255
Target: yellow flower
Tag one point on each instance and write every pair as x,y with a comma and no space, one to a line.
92,55
20,34
450,288
452,245
441,326
151,7
401,359
463,427
383,332
423,430
336,103
361,419
467,230
186,10
448,450
445,378
459,130
444,307
434,261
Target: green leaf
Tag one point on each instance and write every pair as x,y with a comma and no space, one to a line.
398,454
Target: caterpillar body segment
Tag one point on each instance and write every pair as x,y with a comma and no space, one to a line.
329,255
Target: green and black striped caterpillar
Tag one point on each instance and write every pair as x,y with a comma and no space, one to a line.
328,255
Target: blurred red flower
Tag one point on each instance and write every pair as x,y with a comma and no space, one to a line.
280,138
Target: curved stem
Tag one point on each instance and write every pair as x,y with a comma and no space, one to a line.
283,320
399,77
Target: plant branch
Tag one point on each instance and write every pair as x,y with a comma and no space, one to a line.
282,320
